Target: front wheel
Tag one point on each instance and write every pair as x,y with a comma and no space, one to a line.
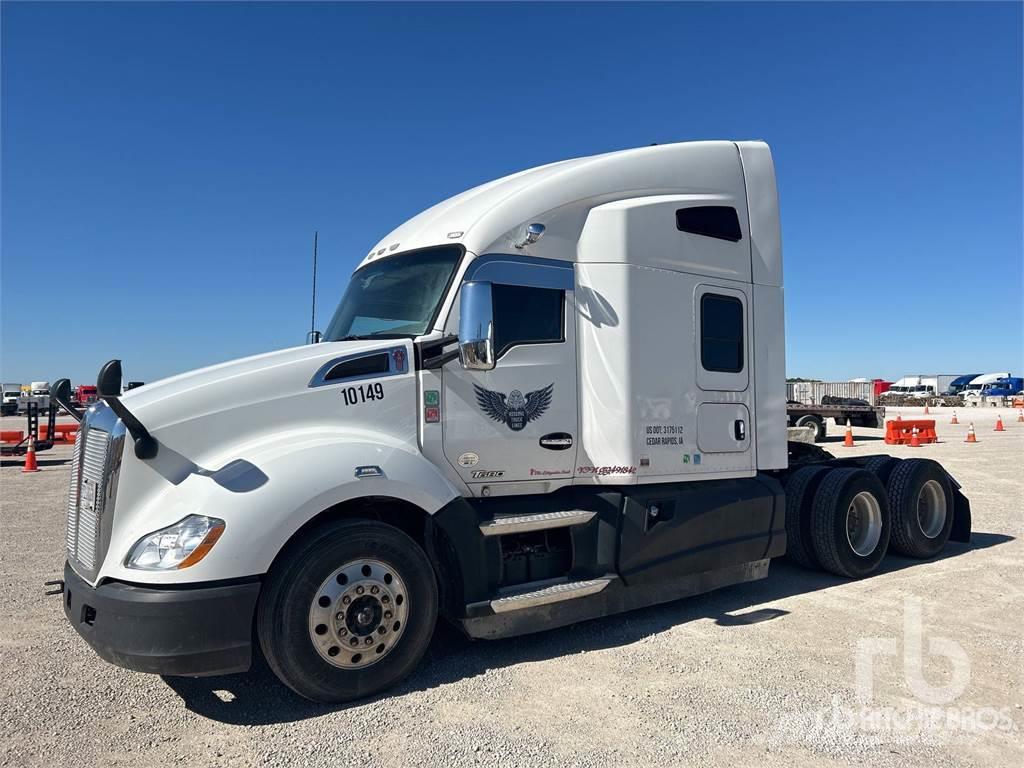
348,612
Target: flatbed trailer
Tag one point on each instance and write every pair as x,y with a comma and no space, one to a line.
816,416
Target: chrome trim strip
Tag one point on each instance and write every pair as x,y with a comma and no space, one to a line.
397,365
503,526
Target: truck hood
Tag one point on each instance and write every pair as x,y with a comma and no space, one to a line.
240,384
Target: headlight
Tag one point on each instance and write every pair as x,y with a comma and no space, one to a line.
177,546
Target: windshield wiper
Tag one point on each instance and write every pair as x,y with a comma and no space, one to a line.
366,336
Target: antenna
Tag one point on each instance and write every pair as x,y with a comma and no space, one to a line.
312,322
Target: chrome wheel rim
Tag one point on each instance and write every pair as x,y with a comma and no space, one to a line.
358,614
931,509
864,523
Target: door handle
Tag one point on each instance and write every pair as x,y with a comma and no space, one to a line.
739,430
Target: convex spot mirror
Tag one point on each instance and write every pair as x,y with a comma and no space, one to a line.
476,327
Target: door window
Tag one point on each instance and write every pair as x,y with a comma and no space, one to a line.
526,315
721,333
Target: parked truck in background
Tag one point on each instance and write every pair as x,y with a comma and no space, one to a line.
959,384
11,396
84,395
1005,387
558,396
37,392
979,386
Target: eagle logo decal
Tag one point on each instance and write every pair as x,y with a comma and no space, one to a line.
514,410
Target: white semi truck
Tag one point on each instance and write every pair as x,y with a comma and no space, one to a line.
557,396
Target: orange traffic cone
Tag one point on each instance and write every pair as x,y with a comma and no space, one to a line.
1020,415
915,441
926,409
971,438
999,425
30,457
953,420
848,440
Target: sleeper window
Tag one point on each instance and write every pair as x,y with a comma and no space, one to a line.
721,333
524,315
718,221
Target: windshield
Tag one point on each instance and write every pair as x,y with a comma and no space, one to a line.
396,296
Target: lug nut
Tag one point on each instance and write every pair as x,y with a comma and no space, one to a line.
342,631
359,590
374,590
354,641
381,630
385,599
387,614
369,640
339,616
346,600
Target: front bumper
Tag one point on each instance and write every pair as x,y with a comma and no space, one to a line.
192,630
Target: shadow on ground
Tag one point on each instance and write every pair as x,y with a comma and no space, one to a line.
856,438
257,698
20,462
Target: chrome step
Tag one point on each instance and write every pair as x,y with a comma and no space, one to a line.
502,526
530,596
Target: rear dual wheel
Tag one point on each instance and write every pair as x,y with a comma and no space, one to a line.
921,499
844,519
850,523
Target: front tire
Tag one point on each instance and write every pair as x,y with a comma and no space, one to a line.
348,612
850,522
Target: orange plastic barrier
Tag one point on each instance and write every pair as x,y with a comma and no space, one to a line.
900,432
62,433
12,436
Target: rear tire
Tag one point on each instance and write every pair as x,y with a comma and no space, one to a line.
331,649
800,488
921,500
881,467
850,522
815,422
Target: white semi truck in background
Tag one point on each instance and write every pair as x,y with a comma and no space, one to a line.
557,396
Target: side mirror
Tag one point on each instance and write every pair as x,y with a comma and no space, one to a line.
108,383
476,327
61,393
314,337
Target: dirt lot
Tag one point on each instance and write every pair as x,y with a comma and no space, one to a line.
764,673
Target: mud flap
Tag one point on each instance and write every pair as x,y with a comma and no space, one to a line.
961,530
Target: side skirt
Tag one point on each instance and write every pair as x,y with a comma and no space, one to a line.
615,598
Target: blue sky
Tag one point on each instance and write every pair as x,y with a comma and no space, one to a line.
165,166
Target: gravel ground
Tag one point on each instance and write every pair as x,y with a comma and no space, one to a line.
764,672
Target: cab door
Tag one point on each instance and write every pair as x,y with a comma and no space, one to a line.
517,423
725,426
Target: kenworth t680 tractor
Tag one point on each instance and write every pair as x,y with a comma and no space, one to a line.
557,396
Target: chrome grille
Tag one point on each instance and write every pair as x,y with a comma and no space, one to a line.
72,522
91,494
95,466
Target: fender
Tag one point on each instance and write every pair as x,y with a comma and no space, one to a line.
265,491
